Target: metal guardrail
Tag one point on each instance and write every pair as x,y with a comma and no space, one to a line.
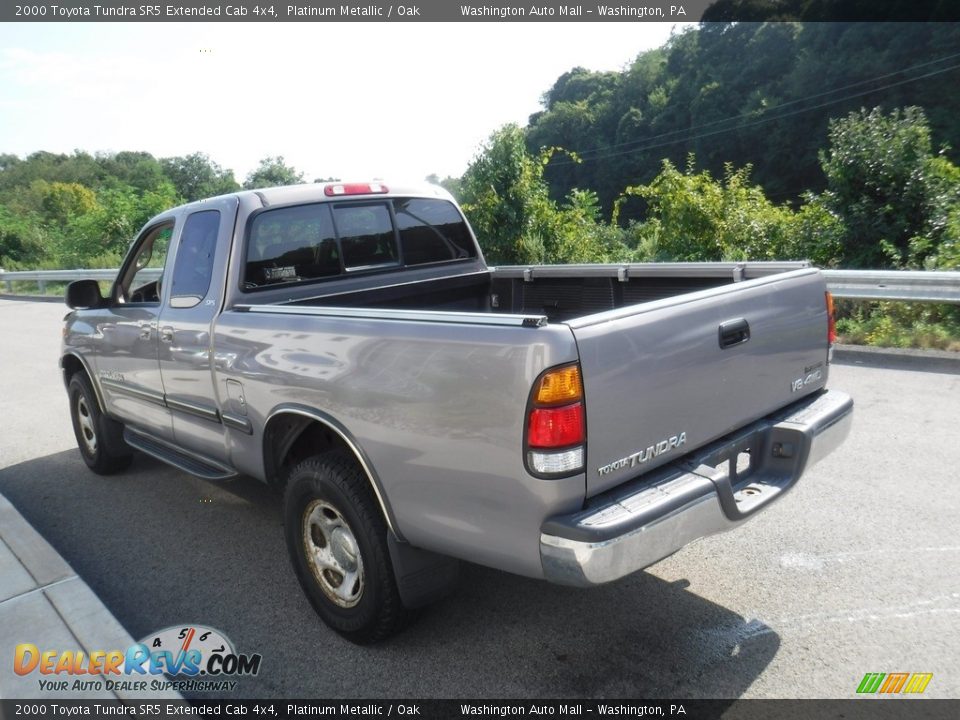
42,277
903,285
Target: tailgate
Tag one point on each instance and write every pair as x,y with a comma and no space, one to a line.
663,378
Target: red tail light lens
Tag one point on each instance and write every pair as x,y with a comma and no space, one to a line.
831,320
556,424
556,427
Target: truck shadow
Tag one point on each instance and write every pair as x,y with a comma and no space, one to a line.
161,548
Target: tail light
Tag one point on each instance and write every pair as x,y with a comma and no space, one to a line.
556,423
831,320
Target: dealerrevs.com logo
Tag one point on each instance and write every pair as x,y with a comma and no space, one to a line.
181,658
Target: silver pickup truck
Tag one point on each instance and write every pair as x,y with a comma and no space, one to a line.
347,344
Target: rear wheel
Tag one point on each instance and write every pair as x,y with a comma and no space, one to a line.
99,438
337,539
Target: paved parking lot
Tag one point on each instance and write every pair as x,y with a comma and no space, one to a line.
855,571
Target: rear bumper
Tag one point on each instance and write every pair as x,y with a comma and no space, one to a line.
643,521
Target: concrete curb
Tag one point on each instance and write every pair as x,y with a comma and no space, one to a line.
44,602
898,358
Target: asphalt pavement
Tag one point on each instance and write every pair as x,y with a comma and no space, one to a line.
854,571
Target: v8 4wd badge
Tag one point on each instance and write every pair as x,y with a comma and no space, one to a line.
802,382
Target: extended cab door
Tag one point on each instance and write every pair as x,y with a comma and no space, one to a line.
193,299
125,340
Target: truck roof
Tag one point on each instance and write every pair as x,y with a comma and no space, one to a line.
317,192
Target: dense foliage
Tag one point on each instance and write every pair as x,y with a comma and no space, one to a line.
271,172
833,142
889,202
81,210
900,203
758,94
507,201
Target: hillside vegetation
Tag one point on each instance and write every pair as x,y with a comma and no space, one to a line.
833,142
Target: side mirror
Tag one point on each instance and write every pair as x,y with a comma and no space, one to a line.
83,294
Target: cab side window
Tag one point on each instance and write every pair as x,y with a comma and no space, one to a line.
193,268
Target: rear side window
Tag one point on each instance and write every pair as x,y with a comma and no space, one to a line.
304,243
431,231
366,236
291,244
194,265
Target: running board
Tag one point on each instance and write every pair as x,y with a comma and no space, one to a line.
201,467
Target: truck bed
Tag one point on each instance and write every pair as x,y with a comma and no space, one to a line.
660,379
559,292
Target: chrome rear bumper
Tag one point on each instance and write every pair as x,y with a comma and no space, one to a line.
645,520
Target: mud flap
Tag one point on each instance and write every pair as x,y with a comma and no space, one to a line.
422,576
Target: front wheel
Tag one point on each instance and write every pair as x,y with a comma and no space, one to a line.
337,539
99,438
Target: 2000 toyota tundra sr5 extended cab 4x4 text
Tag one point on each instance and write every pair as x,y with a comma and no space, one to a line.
348,344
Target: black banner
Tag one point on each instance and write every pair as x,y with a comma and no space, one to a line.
855,709
472,11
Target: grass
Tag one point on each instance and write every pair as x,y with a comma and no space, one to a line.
899,325
24,287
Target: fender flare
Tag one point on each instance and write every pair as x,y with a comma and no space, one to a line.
86,368
347,438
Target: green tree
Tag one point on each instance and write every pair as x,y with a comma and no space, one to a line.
140,170
8,161
271,172
693,217
893,194
22,239
506,200
101,236
451,184
60,202
943,216
758,94
196,176
508,203
814,233
579,233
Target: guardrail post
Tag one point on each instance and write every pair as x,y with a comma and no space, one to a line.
42,284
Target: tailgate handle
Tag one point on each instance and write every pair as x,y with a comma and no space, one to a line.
734,332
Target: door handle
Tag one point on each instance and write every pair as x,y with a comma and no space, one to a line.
733,332
145,329
166,333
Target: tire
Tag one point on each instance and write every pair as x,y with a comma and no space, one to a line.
337,539
99,438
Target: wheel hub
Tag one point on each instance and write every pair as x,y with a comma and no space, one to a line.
85,420
344,549
332,553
